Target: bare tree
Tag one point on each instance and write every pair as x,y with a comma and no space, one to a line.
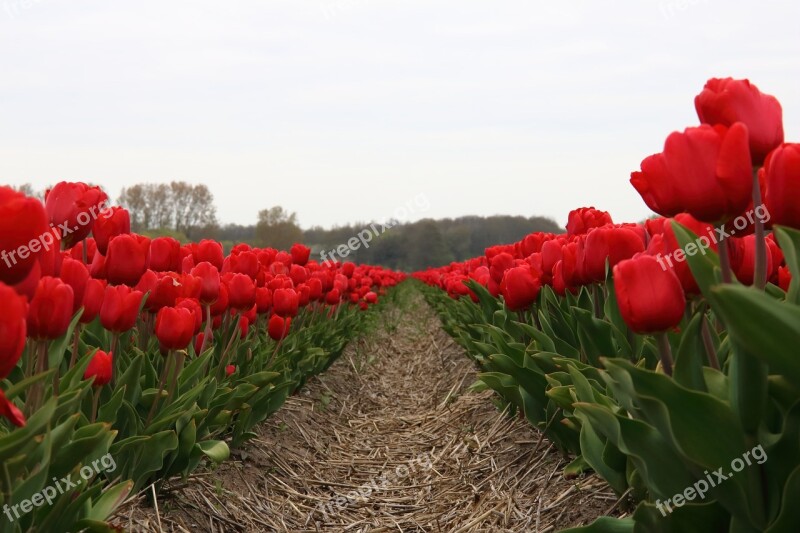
179,206
277,228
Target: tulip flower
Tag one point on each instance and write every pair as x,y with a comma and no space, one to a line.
300,254
332,298
165,255
13,330
110,223
10,411
194,306
784,278
704,171
580,221
175,327
728,101
127,259
371,297
120,308
650,297
208,250
241,291
50,311
612,244
230,370
285,302
781,174
278,327
73,209
209,282
93,297
99,368
520,287
75,274
24,234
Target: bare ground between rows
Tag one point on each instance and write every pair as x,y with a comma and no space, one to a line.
392,427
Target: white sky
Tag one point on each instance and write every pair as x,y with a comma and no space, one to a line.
344,110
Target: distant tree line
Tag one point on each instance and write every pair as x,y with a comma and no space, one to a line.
179,206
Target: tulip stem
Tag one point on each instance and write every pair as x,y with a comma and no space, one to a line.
76,338
113,350
711,352
725,260
207,331
95,402
161,383
665,351
760,271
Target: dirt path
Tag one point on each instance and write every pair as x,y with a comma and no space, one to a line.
389,439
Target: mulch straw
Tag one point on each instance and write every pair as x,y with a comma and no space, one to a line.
392,427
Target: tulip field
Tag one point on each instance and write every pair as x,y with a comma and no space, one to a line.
657,357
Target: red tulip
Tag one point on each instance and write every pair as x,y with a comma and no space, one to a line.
371,298
24,234
208,250
704,171
165,255
10,411
76,275
244,326
278,327
300,254
120,308
164,292
230,370
499,264
50,311
13,312
581,220
742,253
99,368
73,208
609,243
209,282
192,305
127,259
781,174
332,298
650,298
198,343
728,101
520,287
263,300
285,302
174,327
111,222
241,291
93,296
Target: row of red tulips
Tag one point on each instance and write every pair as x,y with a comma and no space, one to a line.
88,307
578,330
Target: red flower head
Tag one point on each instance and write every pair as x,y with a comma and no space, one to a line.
120,308
704,171
728,101
241,291
165,254
24,234
76,275
650,297
13,311
10,411
520,287
127,259
608,243
300,254
174,327
73,208
99,368
111,222
208,250
278,327
781,175
285,302
50,311
93,296
581,220
209,282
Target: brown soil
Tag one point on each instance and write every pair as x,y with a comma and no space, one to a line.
389,439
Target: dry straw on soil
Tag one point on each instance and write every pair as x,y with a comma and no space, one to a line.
395,405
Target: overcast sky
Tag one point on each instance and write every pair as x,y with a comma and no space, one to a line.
344,110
